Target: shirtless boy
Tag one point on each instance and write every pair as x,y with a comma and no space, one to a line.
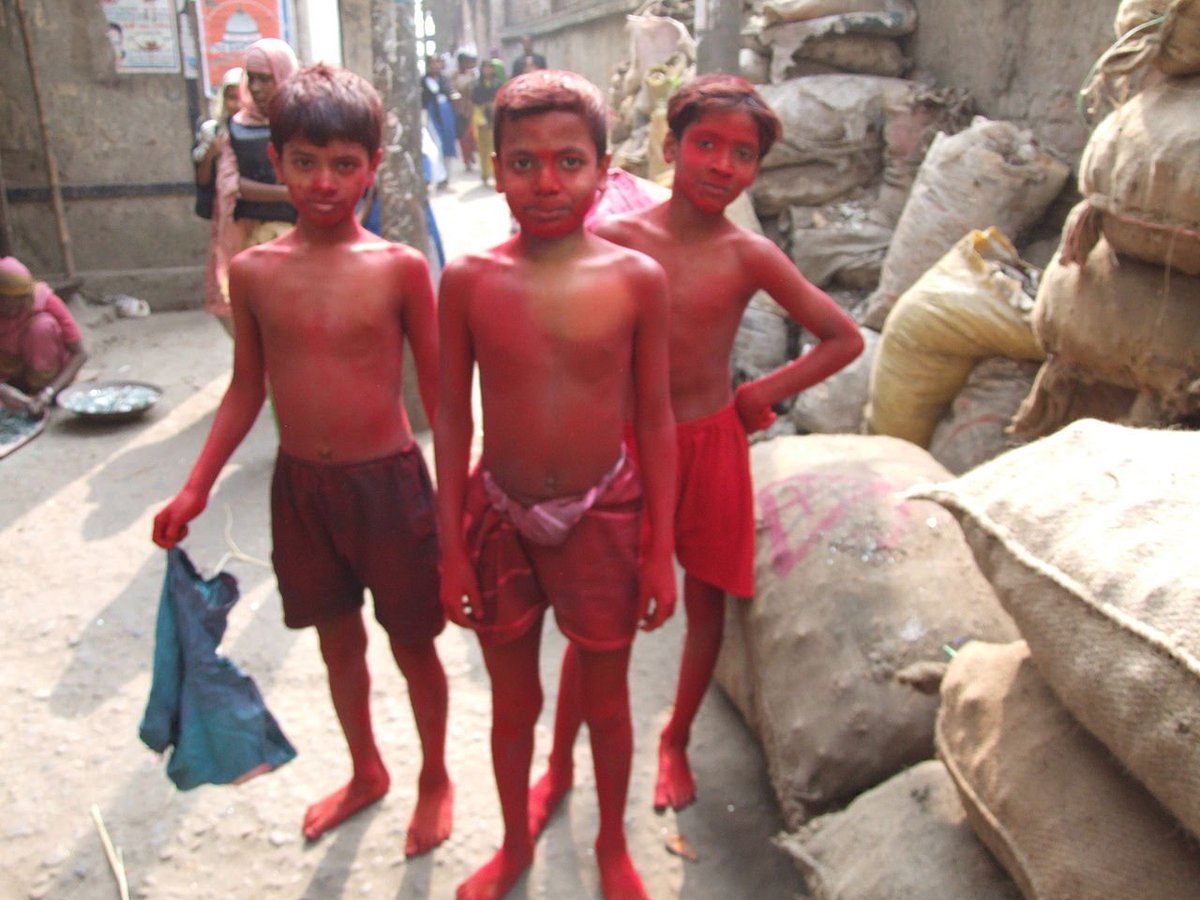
324,312
720,129
569,333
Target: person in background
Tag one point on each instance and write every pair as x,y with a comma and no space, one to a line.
211,139
528,60
436,100
251,206
462,86
483,96
41,346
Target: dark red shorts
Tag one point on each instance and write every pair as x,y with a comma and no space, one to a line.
590,580
338,529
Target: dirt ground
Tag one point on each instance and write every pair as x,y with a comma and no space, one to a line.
80,592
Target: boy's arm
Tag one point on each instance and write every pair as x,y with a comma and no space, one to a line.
236,414
421,329
452,432
654,428
840,341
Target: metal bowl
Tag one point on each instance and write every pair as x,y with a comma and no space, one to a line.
109,401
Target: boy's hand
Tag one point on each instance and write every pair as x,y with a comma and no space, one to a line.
656,588
460,590
170,525
755,413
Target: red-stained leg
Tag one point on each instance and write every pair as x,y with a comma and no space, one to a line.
433,817
705,603
344,648
548,792
516,704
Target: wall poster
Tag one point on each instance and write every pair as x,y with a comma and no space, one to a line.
228,27
143,35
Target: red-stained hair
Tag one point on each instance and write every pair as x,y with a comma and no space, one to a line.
324,103
552,90
720,91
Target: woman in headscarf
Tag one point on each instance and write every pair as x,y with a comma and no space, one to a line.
251,206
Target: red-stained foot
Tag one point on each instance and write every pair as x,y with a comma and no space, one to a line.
619,880
432,818
544,798
496,877
358,793
675,786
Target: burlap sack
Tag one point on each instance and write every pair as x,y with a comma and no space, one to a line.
1088,537
1126,323
1174,44
1141,172
1045,796
904,839
992,175
853,585
835,405
973,303
976,428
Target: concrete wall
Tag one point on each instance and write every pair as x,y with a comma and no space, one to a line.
1022,60
122,141
122,144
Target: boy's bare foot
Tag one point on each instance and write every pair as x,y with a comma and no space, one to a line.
432,818
496,877
675,786
331,811
619,880
545,796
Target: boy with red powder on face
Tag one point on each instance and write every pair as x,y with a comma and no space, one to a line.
324,312
569,334
720,129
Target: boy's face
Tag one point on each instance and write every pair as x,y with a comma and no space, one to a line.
326,182
549,172
716,159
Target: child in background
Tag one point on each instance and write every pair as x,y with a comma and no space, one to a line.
720,129
251,206
569,335
324,312
211,140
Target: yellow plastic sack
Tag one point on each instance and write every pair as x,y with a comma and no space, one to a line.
973,303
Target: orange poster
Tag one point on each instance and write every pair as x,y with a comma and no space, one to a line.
228,27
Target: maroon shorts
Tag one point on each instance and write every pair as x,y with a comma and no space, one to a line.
591,579
338,529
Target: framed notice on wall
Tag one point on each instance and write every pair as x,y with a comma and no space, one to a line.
228,27
143,34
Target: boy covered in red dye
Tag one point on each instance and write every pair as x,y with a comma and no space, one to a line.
324,312
720,129
569,333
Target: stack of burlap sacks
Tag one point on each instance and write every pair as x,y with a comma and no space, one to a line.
1060,759
1118,311
877,178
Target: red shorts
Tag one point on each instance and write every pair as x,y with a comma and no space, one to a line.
591,579
338,529
714,511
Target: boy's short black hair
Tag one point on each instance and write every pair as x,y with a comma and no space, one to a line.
324,103
719,91
551,90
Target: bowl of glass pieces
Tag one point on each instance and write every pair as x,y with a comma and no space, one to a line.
109,401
